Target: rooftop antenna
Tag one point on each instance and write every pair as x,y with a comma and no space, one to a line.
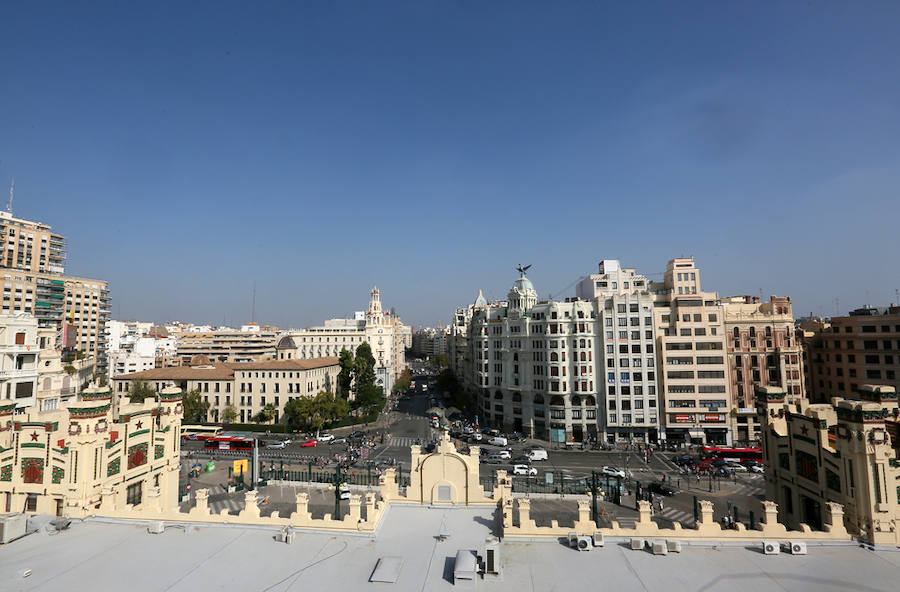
12,191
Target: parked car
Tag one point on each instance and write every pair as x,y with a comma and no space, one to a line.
325,437
498,441
276,445
661,489
524,470
538,454
613,472
308,444
492,459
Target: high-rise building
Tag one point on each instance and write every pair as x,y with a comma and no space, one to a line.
862,348
32,262
579,370
690,332
384,332
763,350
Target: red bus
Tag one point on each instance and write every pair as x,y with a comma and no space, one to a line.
228,443
709,453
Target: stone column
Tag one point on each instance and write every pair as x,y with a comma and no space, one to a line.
584,512
388,484
834,519
644,511
302,513
524,511
251,509
706,513
355,503
202,502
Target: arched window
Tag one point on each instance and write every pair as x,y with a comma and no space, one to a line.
558,401
768,331
538,399
554,357
498,395
590,401
752,331
515,357
583,357
576,401
581,343
737,333
517,397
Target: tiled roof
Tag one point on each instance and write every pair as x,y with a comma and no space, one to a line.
287,364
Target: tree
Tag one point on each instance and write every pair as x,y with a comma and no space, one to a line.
449,383
364,369
229,414
140,390
345,378
441,361
266,414
195,408
404,382
311,413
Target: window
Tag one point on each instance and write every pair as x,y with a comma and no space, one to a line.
133,494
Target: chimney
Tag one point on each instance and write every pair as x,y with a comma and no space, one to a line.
756,300
746,300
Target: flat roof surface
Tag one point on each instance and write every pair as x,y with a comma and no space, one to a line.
94,555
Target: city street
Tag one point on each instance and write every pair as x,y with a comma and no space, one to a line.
409,424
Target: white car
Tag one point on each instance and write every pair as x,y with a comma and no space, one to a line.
612,472
737,467
277,445
504,454
325,438
524,470
757,469
498,441
344,492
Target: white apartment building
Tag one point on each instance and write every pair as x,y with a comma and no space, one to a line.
582,369
385,333
19,349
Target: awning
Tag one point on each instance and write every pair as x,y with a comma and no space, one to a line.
696,433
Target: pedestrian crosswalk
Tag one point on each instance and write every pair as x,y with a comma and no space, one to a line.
675,515
402,441
231,503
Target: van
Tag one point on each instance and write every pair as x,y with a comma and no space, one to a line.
492,459
497,441
537,454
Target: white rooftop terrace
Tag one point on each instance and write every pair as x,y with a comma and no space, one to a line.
95,555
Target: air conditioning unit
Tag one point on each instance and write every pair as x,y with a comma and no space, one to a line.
573,540
771,548
12,527
584,543
598,539
637,544
659,548
798,548
674,546
156,527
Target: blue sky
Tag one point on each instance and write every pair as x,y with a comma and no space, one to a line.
187,150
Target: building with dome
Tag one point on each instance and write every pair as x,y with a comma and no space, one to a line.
583,369
384,332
